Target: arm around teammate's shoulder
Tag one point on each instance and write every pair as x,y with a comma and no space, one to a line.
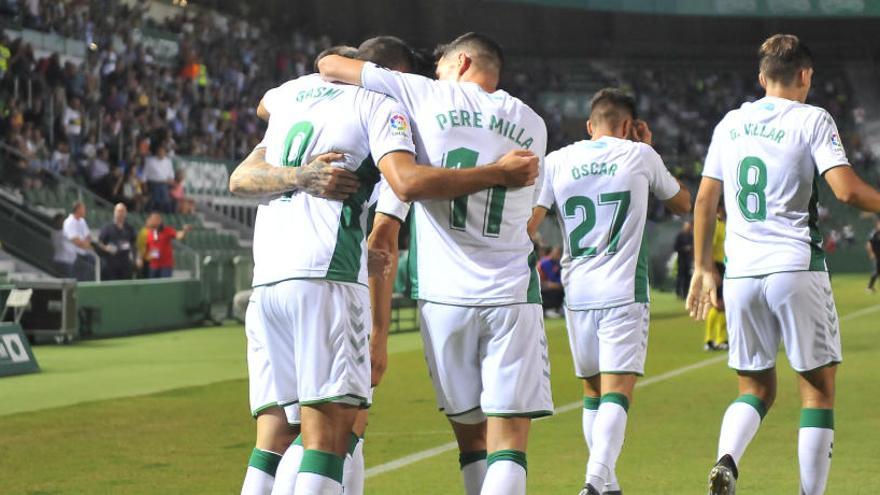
341,69
413,182
849,188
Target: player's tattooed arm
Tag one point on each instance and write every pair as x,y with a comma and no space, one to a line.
413,182
255,177
341,69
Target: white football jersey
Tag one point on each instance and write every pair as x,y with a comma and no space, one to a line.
769,154
474,250
301,236
600,189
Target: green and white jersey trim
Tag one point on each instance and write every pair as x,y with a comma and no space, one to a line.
769,154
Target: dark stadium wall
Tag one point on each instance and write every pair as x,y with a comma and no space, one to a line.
547,31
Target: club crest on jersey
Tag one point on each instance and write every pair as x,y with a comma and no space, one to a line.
399,125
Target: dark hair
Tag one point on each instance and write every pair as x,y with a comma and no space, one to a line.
782,56
344,50
486,51
612,105
388,51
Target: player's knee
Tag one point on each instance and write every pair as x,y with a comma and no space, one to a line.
470,418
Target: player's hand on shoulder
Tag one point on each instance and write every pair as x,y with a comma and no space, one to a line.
703,293
321,179
641,133
519,168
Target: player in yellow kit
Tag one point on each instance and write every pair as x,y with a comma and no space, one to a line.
716,321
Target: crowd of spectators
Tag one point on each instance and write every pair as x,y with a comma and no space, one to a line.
114,120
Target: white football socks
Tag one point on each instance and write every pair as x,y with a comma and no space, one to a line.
739,426
506,474
815,441
473,470
609,430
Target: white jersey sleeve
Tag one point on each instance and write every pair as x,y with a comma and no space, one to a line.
661,183
539,148
713,166
390,204
545,195
405,88
388,129
825,145
271,99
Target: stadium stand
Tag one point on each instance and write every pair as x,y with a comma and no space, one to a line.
90,90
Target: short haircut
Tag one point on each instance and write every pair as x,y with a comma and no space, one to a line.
76,205
487,53
344,50
611,106
782,57
388,51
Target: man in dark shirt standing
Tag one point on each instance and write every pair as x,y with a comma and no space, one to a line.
116,242
684,246
873,247
552,292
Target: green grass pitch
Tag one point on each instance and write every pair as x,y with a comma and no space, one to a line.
167,413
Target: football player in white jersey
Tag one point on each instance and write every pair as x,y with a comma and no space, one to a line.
309,250
471,258
601,189
392,52
766,158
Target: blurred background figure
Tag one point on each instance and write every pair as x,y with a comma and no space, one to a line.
159,247
159,176
116,241
684,248
77,233
873,247
716,322
551,282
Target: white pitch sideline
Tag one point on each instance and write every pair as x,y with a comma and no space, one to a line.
446,447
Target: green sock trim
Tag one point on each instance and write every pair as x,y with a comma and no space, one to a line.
298,440
817,418
265,461
465,458
352,443
755,402
516,456
323,464
591,403
616,398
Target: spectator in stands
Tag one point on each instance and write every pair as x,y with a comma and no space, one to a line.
551,282
159,175
116,241
77,233
684,247
60,162
63,251
98,167
159,247
72,121
130,190
183,205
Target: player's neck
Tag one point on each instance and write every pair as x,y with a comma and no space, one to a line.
600,133
487,83
786,92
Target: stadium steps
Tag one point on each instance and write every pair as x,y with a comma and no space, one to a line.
866,93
